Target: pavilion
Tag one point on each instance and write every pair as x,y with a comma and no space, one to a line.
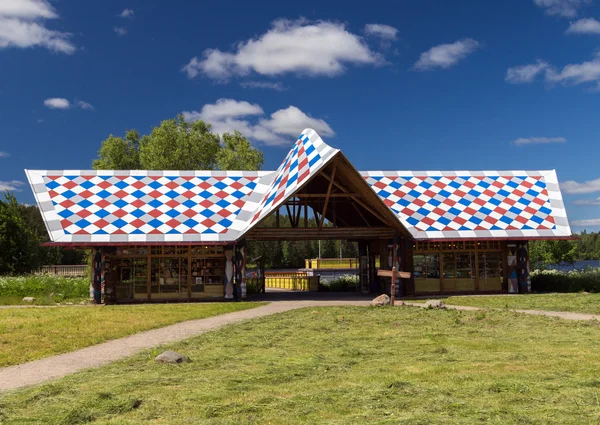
164,235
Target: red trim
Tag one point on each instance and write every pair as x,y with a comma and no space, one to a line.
99,244
538,238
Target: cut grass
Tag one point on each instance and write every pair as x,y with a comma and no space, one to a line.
344,365
32,333
41,300
579,302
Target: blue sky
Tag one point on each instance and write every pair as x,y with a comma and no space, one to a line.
428,85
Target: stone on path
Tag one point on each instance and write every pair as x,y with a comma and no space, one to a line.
434,304
28,299
170,357
380,301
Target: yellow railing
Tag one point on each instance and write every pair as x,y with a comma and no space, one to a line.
331,263
334,263
294,283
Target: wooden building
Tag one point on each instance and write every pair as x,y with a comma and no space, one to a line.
165,235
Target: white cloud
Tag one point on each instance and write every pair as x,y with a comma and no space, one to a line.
299,47
62,103
280,128
577,73
84,105
538,140
21,26
525,73
4,154
120,31
126,13
13,185
385,32
592,222
446,55
571,74
587,201
564,8
589,186
278,86
57,103
584,26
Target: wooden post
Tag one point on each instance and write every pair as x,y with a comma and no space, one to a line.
393,287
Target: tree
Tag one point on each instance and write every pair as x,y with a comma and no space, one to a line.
544,253
18,240
238,154
177,144
117,153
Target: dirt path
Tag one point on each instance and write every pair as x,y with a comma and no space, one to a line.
39,371
43,370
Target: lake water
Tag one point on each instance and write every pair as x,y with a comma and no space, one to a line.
578,265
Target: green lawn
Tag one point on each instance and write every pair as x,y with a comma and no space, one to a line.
32,333
42,300
578,302
344,365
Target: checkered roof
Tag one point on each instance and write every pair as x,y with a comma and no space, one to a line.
456,205
220,206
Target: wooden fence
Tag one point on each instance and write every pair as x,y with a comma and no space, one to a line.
334,263
65,270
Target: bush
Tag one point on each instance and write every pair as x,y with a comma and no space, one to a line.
571,281
61,288
341,284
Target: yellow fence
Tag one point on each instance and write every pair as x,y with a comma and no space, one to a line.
335,263
294,283
331,263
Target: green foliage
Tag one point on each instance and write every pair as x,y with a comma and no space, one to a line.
238,154
177,144
572,281
117,153
341,284
18,239
40,285
543,253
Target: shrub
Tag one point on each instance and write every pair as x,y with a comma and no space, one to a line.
572,281
37,285
340,284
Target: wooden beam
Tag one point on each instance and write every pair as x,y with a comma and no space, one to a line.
306,214
277,218
324,195
327,233
328,194
290,217
361,214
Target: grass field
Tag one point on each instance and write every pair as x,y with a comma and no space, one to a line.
578,302
42,300
344,365
32,333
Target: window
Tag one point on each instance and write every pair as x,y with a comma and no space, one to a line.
490,271
426,270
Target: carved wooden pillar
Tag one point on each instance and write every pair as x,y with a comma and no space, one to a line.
98,275
240,270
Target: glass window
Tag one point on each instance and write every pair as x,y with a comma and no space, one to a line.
426,270
490,271
459,272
